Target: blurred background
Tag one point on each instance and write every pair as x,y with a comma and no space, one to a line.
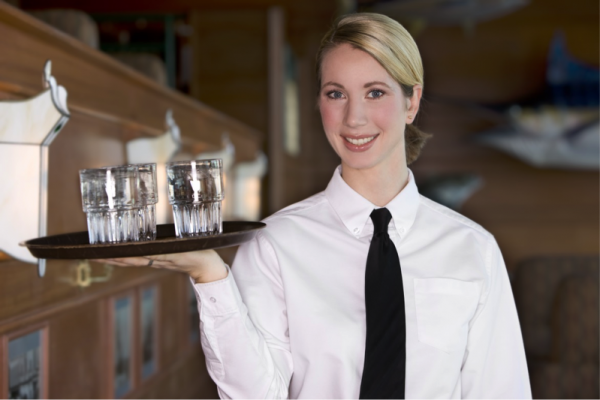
511,98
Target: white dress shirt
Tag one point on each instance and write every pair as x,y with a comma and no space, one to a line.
289,320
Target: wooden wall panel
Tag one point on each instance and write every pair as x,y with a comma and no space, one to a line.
80,335
505,59
187,377
25,297
230,63
75,335
171,319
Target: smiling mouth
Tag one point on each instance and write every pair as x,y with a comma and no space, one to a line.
361,141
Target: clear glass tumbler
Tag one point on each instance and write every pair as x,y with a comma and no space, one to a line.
148,197
110,199
196,192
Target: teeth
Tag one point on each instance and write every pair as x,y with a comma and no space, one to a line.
359,142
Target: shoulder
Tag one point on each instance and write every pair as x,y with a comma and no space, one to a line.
461,232
451,219
298,222
306,207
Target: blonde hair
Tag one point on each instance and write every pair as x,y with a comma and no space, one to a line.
393,47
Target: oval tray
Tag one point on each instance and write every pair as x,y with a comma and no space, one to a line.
77,246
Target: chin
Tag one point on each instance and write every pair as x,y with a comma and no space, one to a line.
358,163
365,161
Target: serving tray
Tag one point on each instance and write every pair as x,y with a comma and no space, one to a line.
77,246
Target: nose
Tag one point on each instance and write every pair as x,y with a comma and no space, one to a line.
356,114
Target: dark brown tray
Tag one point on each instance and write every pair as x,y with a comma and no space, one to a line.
77,245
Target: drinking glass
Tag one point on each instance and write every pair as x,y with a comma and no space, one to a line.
110,199
148,197
196,192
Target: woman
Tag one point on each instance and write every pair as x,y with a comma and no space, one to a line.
336,300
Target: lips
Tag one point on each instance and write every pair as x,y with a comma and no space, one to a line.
359,142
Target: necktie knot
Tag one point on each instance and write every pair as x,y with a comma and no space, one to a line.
381,218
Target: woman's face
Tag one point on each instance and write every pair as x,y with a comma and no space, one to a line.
364,110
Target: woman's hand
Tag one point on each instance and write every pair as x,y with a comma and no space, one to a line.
203,266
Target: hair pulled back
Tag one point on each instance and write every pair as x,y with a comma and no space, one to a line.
393,47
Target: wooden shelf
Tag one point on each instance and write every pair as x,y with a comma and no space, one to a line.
99,84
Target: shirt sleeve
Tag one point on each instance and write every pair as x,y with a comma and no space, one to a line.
495,364
244,328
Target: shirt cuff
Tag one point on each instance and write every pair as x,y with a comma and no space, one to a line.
219,297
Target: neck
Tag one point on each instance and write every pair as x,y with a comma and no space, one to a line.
379,184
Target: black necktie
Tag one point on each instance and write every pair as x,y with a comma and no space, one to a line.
385,351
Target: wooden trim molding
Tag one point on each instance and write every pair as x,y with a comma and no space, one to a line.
26,319
191,332
276,30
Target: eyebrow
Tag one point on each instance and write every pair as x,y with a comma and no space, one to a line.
369,84
331,83
366,85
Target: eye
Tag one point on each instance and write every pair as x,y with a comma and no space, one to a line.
335,94
375,94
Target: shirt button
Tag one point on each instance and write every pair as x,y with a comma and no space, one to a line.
356,230
213,299
401,230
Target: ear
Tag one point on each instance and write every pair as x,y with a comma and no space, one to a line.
413,104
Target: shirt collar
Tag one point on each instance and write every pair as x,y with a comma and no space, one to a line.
354,210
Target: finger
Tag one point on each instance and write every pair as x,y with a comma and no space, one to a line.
159,257
131,261
165,261
114,262
160,260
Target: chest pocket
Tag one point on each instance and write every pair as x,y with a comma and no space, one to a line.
444,308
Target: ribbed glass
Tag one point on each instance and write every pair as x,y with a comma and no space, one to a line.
196,192
112,226
120,202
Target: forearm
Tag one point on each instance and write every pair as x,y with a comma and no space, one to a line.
239,358
216,271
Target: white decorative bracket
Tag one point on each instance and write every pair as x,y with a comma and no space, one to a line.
27,128
246,187
159,150
226,153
